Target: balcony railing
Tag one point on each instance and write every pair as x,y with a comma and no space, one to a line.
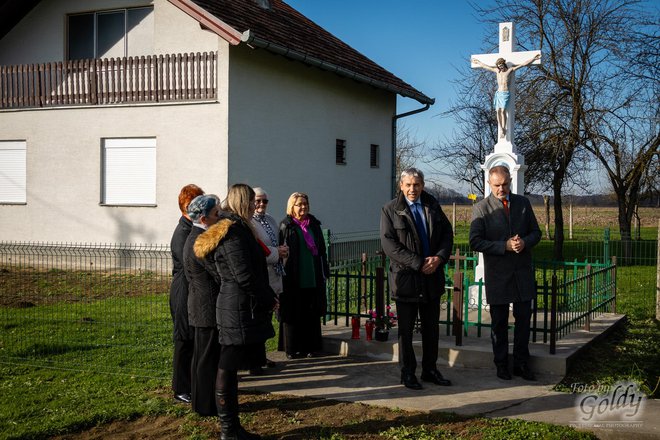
144,79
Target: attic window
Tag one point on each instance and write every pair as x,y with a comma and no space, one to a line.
263,4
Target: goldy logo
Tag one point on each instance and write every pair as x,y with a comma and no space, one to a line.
621,404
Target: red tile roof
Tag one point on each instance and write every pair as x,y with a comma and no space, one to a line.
283,30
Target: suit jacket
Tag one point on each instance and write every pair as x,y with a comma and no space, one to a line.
400,241
509,277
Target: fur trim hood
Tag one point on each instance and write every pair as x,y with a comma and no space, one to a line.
209,240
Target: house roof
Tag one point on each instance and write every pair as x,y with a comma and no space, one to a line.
285,31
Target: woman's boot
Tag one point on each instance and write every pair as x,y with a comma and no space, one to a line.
230,424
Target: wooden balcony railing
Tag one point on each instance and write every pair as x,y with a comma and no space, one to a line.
153,78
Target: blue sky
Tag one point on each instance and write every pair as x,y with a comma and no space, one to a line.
420,41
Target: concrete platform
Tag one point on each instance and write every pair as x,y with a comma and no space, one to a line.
475,352
367,372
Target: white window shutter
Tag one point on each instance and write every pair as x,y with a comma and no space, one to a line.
13,172
129,171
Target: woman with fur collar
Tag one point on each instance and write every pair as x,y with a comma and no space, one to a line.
244,304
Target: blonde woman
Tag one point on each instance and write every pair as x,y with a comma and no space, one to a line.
303,300
244,304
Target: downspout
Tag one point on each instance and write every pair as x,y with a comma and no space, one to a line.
395,119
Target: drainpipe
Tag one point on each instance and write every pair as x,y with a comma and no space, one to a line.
395,119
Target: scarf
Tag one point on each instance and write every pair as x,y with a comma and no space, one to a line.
263,221
309,240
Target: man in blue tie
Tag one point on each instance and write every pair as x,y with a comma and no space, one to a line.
417,237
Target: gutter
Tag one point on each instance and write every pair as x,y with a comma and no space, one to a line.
395,119
251,40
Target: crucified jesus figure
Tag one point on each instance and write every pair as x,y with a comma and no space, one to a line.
502,94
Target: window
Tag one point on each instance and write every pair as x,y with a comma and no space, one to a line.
129,172
373,156
118,33
13,169
340,152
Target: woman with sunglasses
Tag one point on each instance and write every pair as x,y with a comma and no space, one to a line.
265,229
303,301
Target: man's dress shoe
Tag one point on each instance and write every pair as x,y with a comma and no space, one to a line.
183,398
410,381
503,373
435,377
524,371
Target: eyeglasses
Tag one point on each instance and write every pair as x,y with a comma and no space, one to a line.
264,201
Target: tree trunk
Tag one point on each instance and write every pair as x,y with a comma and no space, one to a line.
558,249
546,204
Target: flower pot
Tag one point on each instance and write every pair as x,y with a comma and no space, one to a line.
382,335
355,324
369,330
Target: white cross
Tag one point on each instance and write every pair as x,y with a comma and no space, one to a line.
507,44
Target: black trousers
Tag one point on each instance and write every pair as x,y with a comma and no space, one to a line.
499,333
204,370
181,364
429,314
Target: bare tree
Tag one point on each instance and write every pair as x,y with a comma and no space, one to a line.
460,157
583,55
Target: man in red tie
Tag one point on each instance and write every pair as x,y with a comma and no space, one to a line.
505,229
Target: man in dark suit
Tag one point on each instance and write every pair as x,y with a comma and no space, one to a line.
505,229
417,237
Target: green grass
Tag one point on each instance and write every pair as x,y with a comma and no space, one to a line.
90,355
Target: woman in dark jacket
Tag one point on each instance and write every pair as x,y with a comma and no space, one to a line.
303,300
244,304
183,334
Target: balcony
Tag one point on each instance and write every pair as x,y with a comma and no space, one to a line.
145,79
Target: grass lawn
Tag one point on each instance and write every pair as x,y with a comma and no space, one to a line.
75,360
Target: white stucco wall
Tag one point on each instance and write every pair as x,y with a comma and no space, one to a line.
64,144
285,118
64,170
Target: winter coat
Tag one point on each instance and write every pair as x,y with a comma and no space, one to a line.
401,243
291,280
203,288
508,276
179,286
245,301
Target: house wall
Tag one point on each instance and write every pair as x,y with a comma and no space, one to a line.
285,118
64,147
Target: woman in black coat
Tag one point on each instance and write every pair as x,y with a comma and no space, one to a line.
303,300
182,334
244,304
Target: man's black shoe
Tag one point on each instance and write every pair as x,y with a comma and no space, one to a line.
435,377
524,371
503,372
410,381
183,398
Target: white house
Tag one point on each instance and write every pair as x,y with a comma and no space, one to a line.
109,107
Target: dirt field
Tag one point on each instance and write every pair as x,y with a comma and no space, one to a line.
583,216
284,417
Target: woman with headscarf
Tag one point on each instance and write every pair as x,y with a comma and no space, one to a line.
244,304
303,299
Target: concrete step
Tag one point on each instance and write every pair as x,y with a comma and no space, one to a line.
475,352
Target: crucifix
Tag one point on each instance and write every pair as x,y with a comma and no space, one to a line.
504,64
